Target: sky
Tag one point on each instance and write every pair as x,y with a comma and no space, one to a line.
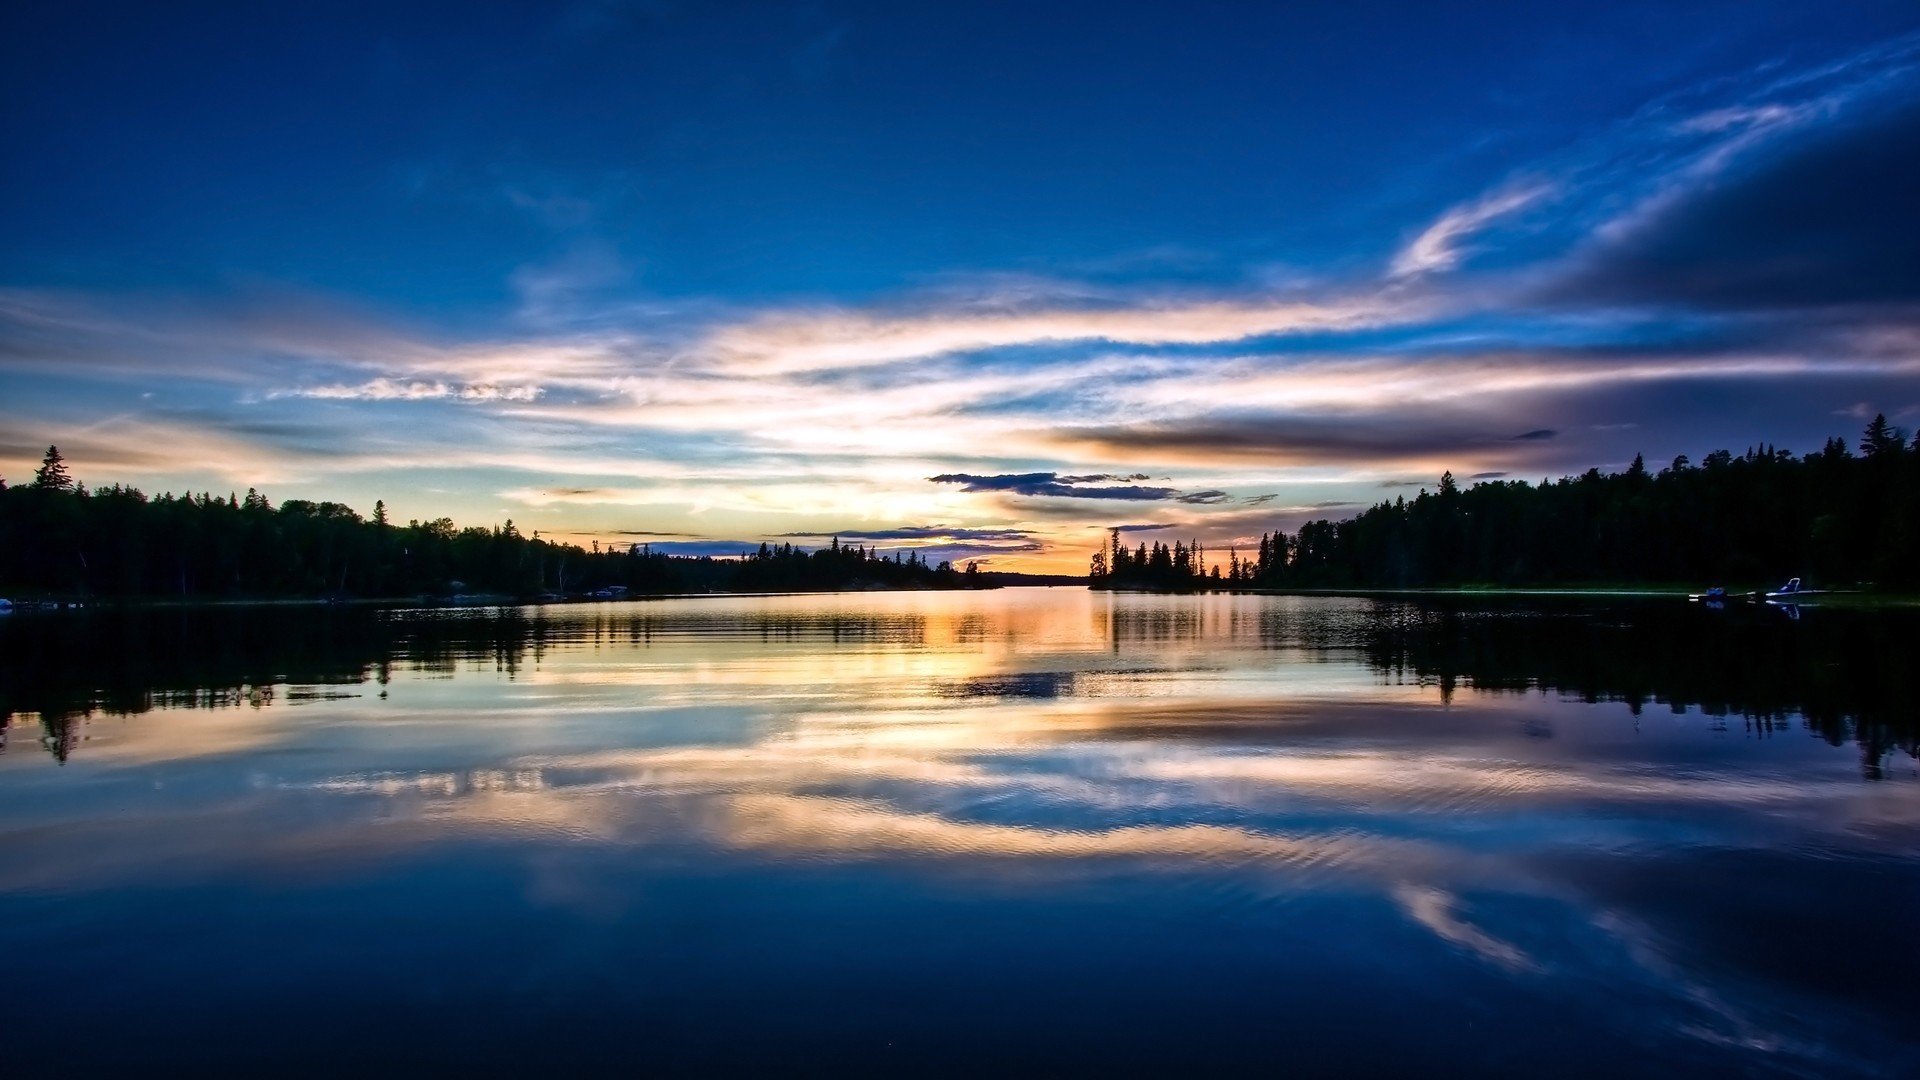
982,280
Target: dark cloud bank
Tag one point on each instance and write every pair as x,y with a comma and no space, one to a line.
1055,485
1831,220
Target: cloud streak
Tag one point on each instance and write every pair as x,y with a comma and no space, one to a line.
800,342
412,390
1442,245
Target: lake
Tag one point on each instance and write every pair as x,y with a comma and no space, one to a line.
1017,832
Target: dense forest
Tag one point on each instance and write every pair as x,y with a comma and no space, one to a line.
59,539
1835,517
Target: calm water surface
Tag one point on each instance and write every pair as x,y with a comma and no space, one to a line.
1027,832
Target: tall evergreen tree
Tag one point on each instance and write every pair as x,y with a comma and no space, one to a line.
52,474
1880,437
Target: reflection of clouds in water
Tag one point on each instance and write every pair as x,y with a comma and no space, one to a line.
1451,784
1732,1016
909,786
1434,910
836,827
1039,756
996,748
750,806
439,783
1042,764
524,815
130,741
1403,806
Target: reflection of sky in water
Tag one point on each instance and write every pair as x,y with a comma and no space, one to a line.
1191,804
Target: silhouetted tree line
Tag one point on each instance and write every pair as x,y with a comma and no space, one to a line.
57,538
1180,568
786,568
1834,516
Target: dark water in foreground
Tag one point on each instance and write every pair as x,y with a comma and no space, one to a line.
1023,832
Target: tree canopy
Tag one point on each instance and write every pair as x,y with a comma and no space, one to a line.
1832,516
59,539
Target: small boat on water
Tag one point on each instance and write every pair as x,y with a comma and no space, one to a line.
1794,589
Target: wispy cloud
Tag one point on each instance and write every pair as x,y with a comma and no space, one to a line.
1442,244
808,341
384,389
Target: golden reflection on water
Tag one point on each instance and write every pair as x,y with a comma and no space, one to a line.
1056,694
1245,738
1010,736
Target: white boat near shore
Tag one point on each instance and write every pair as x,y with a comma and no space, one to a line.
1794,589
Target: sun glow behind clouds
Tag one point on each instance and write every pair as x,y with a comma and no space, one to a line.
1240,405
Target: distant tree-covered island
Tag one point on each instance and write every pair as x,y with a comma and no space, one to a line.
60,539
1834,516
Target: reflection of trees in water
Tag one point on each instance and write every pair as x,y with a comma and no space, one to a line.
63,727
59,670
1157,626
1846,674
1311,626
1188,621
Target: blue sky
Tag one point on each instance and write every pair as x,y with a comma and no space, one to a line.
722,272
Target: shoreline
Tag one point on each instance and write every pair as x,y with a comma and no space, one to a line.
470,600
1862,598
1859,598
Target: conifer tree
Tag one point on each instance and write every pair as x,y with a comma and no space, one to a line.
52,475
